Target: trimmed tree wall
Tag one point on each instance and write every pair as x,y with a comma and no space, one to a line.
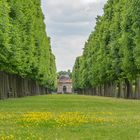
25,47
110,63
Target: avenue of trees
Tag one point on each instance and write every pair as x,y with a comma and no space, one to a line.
24,46
110,64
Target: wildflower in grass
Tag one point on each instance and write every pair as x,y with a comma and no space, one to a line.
7,137
61,119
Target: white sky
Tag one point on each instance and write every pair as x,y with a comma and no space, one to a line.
69,23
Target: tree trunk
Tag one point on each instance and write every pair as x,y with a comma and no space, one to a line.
137,89
129,90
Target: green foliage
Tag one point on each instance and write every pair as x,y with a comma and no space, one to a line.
24,46
5,48
64,73
111,53
76,74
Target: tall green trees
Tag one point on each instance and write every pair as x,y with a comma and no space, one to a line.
24,46
5,48
110,61
76,75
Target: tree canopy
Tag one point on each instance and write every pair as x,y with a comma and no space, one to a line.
112,52
68,72
25,48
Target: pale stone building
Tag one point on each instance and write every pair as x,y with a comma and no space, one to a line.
64,84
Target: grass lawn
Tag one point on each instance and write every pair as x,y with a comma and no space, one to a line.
69,117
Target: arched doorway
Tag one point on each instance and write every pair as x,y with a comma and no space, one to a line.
64,89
